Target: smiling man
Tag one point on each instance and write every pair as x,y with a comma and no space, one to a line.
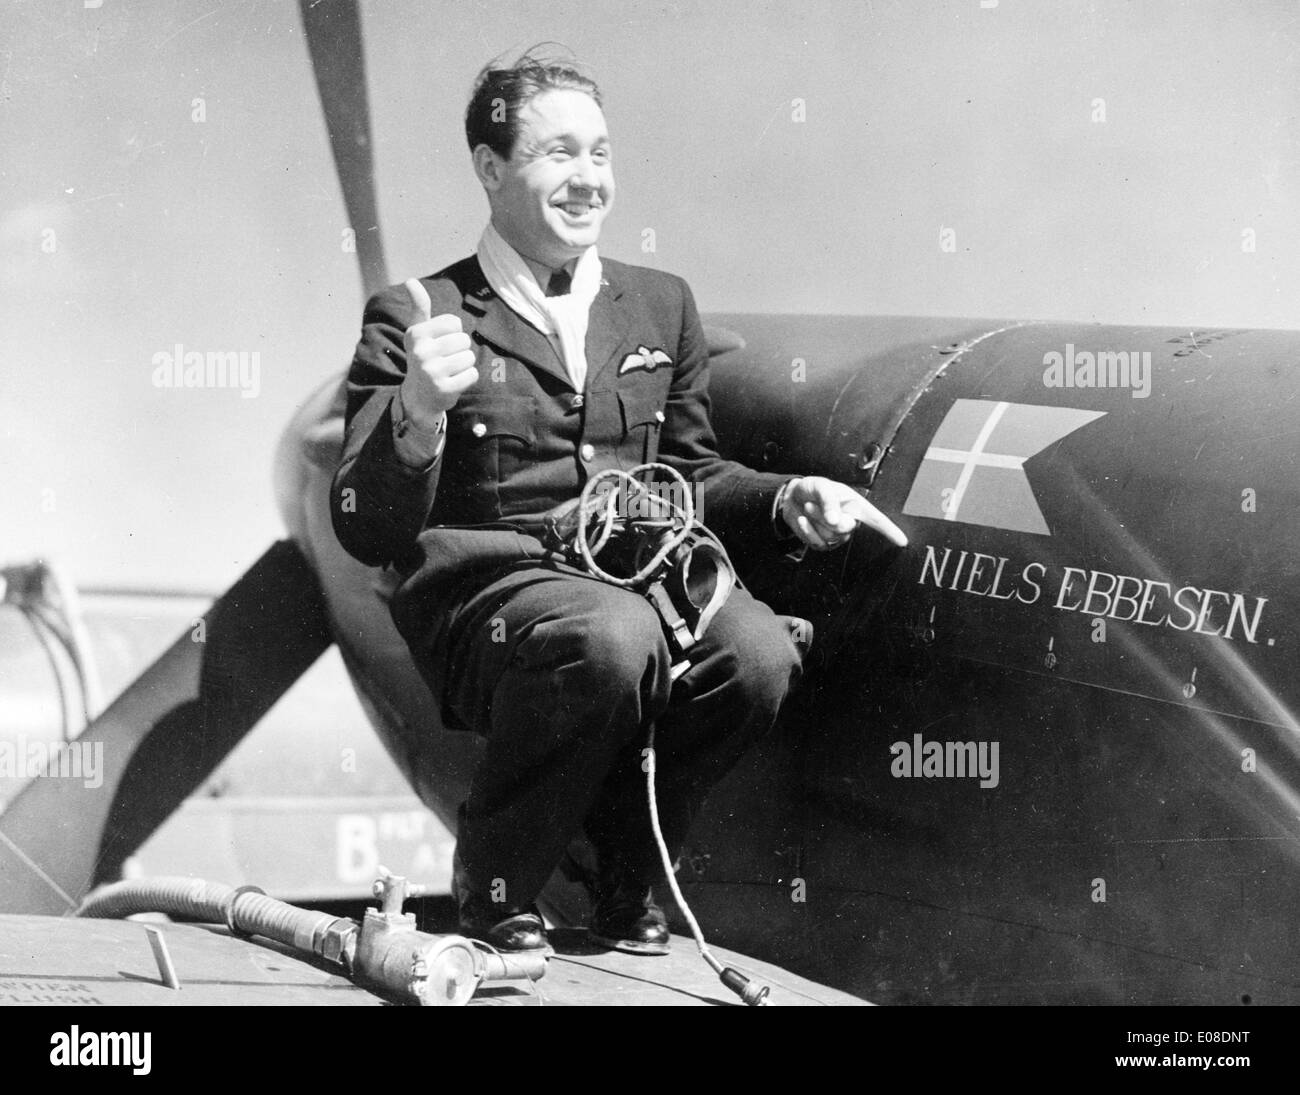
481,399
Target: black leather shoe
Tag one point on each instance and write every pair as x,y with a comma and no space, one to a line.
626,917
515,932
512,928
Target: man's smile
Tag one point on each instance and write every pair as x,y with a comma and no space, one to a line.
578,209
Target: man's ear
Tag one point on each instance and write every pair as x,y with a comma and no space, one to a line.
487,166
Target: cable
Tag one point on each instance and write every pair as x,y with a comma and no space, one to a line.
673,525
48,601
70,626
605,509
753,994
47,637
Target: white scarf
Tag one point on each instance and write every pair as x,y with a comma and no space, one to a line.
560,318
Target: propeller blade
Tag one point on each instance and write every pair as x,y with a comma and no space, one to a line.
333,29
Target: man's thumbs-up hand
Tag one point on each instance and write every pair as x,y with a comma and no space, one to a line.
439,359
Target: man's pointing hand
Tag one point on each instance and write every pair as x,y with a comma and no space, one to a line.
823,513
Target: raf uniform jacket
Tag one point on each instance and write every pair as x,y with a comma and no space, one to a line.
521,440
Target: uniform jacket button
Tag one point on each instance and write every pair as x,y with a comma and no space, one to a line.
575,402
478,429
588,453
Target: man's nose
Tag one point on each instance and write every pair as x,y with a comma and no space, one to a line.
584,176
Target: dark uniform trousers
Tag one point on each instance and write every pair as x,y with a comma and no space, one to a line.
561,674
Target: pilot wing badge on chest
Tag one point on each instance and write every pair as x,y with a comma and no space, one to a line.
644,358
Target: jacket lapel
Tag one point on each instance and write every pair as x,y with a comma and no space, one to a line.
500,327
607,329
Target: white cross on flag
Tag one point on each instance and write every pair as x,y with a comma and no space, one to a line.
974,468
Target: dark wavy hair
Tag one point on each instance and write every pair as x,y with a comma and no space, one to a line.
501,91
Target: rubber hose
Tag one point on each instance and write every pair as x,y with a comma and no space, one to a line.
246,911
182,898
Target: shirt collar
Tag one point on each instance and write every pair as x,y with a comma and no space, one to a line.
541,273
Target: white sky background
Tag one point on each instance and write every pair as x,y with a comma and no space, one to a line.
225,234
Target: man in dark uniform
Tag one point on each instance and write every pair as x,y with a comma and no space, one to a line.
482,398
